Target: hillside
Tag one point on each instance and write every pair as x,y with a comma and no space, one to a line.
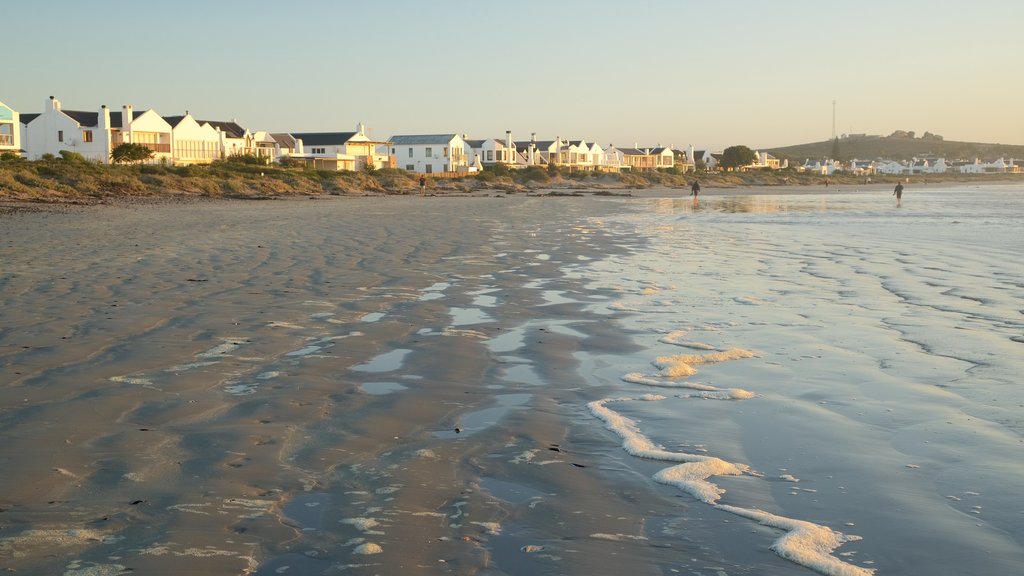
899,147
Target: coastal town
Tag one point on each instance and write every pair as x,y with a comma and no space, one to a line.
183,140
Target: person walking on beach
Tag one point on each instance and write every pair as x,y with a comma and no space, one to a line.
898,193
695,189
423,185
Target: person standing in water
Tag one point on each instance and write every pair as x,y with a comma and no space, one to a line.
695,189
898,193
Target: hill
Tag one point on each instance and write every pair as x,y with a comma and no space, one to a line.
899,146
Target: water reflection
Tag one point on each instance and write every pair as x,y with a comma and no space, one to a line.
752,204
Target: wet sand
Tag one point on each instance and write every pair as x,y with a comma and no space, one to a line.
243,387
504,385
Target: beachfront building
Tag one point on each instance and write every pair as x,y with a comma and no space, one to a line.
825,167
339,150
764,160
430,153
93,134
637,158
537,152
10,130
491,151
707,158
614,160
861,167
999,165
193,142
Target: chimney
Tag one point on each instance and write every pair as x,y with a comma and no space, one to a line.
53,104
104,123
508,139
126,118
361,129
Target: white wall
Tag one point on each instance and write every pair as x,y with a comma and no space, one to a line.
436,161
11,120
193,143
53,131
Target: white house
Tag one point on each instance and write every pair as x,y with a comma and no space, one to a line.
710,159
192,142
826,167
341,150
491,151
647,158
430,153
614,159
10,130
889,167
93,134
766,160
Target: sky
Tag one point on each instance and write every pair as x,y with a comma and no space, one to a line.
655,72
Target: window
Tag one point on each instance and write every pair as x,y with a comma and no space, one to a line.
430,167
410,152
319,150
445,151
60,135
410,167
392,151
86,135
429,151
490,156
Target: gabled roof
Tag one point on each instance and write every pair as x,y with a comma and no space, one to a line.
414,139
324,138
116,118
232,129
89,119
173,120
285,140
477,143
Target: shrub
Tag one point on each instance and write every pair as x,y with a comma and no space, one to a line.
532,174
130,153
69,156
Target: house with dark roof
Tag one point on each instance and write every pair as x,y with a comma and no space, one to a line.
645,158
93,134
338,150
430,153
491,151
10,130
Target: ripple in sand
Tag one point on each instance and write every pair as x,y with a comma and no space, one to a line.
382,388
387,362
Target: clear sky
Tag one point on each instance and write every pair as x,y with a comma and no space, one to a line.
679,72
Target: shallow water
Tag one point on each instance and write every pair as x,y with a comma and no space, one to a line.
884,400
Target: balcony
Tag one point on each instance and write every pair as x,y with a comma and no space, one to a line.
161,148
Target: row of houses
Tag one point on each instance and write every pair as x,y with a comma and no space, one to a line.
185,139
828,166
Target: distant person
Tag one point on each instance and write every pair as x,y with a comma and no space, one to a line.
695,189
898,193
423,185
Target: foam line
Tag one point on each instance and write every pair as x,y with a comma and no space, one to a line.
804,543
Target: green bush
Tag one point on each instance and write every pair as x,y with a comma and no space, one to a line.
531,174
75,157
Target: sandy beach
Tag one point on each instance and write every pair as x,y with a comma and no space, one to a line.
391,385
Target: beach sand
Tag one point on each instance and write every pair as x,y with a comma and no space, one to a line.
236,387
389,385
